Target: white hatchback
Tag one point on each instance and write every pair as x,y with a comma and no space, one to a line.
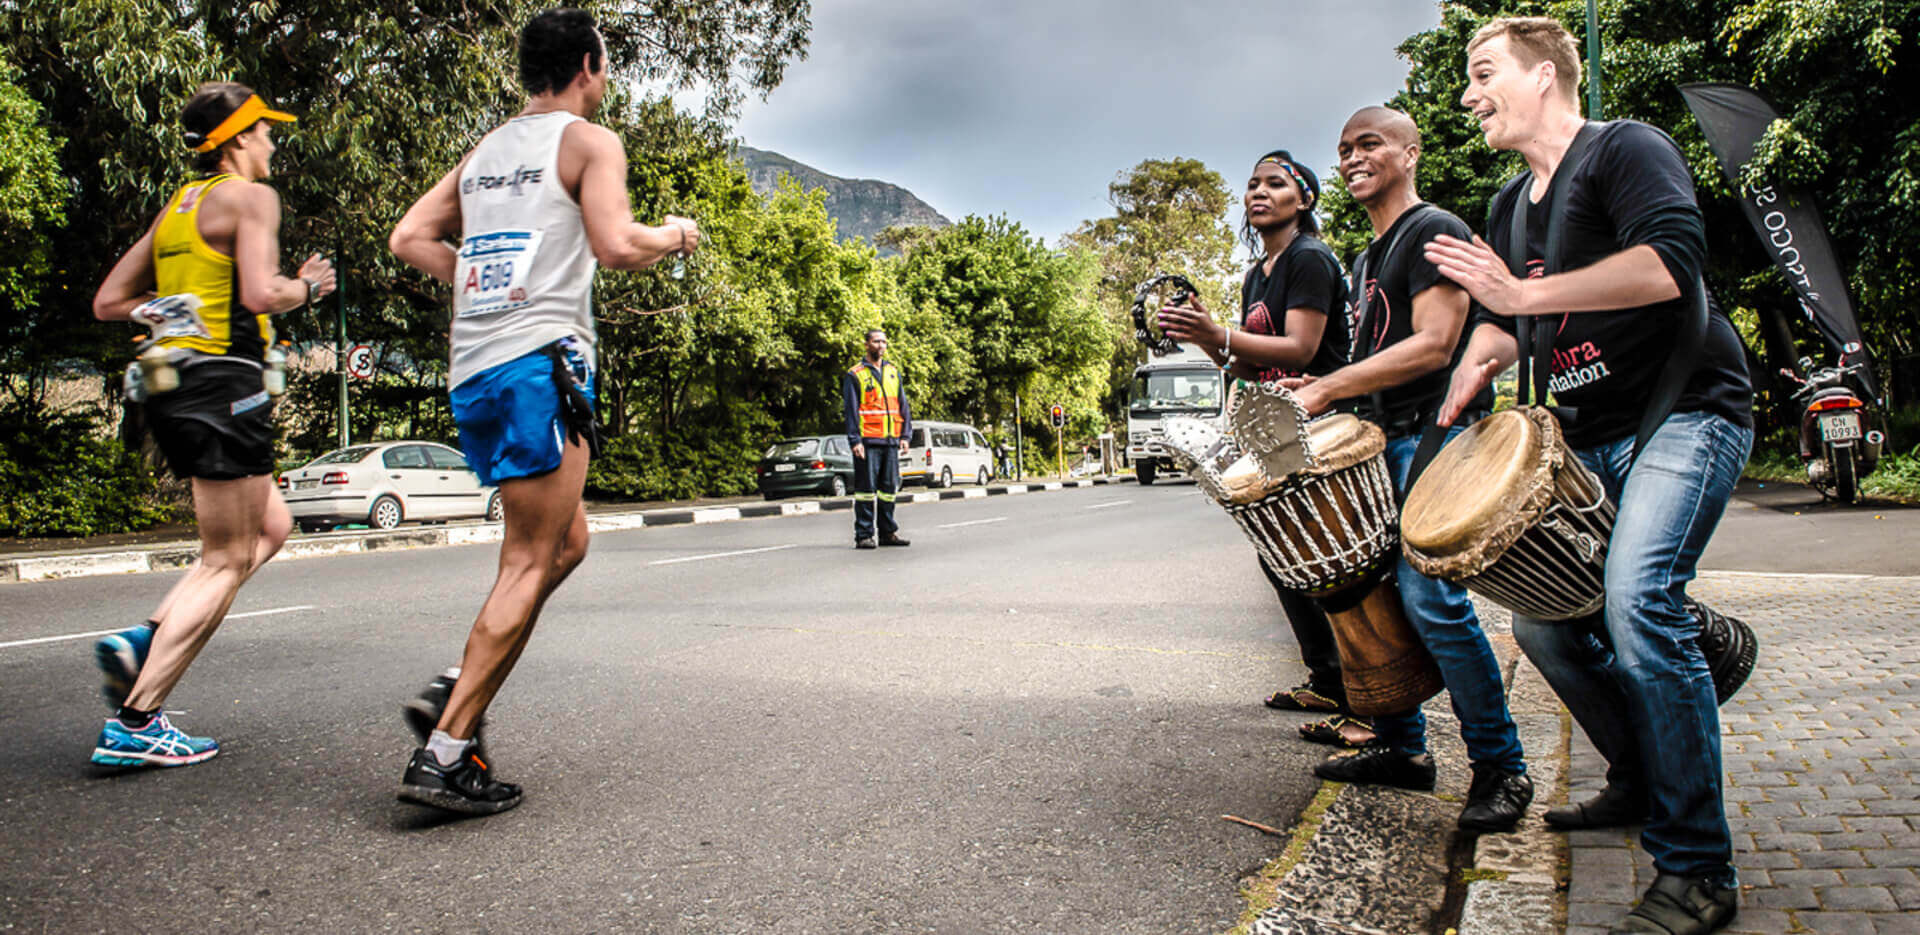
385,484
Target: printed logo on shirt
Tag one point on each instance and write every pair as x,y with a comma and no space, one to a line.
1577,367
520,176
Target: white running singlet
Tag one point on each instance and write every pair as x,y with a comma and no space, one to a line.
524,278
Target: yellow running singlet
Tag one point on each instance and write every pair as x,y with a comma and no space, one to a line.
183,262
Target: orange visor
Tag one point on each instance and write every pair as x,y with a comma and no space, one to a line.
251,112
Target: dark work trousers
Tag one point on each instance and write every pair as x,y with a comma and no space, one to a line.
1315,635
876,479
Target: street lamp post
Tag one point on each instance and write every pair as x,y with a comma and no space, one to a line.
1593,61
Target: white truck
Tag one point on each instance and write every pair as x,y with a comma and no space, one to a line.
1186,383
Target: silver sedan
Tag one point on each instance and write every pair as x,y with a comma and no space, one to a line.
386,484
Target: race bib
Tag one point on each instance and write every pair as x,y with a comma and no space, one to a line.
172,316
492,273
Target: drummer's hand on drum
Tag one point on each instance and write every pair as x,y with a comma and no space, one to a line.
1306,393
1480,271
1468,380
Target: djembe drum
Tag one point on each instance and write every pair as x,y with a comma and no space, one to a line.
1328,530
1507,510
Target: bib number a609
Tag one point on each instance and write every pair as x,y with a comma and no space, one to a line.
492,273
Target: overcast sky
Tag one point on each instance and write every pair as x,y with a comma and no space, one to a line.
1030,108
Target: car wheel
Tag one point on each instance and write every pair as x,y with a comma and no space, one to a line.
496,510
1144,471
839,486
946,477
385,513
980,476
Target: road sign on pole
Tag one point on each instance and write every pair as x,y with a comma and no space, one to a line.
360,361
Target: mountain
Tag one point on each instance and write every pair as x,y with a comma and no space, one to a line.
862,207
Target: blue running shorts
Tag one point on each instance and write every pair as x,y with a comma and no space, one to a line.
511,419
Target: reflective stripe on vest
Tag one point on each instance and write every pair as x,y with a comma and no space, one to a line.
879,401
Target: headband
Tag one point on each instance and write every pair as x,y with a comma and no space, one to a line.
1307,197
249,113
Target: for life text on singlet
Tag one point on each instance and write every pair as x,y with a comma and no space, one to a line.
1305,275
524,277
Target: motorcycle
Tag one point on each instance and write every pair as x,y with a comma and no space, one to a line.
1838,440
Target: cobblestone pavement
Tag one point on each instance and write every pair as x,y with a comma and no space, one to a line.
1821,747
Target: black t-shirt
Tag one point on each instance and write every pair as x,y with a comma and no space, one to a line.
1397,270
1305,275
1605,364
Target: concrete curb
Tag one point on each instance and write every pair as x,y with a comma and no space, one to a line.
172,556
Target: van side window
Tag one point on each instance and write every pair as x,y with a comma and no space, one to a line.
919,438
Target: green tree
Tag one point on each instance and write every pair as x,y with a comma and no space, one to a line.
32,203
1168,218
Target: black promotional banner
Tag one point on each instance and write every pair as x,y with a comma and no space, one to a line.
1787,221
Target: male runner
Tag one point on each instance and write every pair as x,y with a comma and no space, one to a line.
1633,243
1407,327
217,242
534,206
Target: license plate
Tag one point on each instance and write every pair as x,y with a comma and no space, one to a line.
1840,427
783,467
305,484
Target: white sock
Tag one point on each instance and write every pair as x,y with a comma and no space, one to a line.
445,748
452,673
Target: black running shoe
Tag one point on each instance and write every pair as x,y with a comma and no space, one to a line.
1381,766
1496,800
424,710
1730,646
464,787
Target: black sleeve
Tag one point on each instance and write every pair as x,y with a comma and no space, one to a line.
906,410
1312,276
1421,273
1648,194
850,408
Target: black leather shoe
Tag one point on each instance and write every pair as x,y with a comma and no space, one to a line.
1496,800
894,540
1676,905
864,544
1379,766
464,787
1614,807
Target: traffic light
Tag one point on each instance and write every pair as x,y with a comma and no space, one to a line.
1059,414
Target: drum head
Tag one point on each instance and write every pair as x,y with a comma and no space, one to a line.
1342,440
1243,483
1479,481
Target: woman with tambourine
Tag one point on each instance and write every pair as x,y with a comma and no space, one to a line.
1293,322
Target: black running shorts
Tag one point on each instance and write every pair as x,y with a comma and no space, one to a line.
217,425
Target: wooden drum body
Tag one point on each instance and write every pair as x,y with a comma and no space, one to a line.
1507,510
1330,532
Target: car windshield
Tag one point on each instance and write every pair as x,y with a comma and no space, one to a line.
795,448
1166,390
351,455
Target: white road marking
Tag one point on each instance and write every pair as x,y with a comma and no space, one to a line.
974,522
82,636
1102,506
698,558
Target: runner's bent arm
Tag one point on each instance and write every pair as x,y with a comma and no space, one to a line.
256,253
424,237
130,282
618,241
1439,313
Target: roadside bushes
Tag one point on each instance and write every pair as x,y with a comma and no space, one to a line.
59,477
707,455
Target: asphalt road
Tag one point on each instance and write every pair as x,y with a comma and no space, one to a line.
1030,720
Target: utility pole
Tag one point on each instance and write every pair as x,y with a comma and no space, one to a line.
1594,111
1019,462
340,347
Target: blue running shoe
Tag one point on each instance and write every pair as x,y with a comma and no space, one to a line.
120,656
157,744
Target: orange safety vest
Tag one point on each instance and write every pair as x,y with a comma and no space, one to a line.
879,400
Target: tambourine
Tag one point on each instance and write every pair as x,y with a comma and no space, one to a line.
1148,331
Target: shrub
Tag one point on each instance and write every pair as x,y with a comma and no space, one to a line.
711,454
58,477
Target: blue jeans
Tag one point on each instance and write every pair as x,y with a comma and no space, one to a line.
1442,614
1633,675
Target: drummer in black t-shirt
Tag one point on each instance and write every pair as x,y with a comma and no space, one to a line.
1292,322
1408,321
1633,243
